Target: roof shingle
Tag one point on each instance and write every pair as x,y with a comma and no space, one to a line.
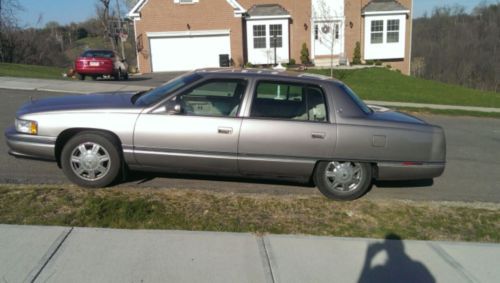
267,10
384,6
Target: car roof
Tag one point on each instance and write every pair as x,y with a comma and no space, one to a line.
268,73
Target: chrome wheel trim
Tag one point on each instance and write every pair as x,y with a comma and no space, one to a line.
90,161
344,176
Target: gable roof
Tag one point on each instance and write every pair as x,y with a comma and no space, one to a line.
384,6
135,11
267,10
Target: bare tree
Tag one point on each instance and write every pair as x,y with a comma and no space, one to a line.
105,16
457,47
8,25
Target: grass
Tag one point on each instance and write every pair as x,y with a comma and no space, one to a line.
386,85
209,211
31,71
448,112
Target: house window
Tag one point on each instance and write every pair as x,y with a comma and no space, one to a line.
276,33
377,32
259,36
186,1
392,31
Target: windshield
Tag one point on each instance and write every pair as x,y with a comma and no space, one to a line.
157,94
98,54
356,99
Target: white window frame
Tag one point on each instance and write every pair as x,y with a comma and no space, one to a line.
261,36
393,31
377,32
279,37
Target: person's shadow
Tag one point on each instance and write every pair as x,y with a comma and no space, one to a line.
399,267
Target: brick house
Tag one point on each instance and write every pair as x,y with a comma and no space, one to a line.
178,35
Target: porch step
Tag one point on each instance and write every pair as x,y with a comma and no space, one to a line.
326,62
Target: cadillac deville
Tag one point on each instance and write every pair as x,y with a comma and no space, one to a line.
249,123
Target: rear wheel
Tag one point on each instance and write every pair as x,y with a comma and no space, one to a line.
119,75
91,159
81,77
343,180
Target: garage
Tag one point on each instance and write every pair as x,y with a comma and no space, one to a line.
188,50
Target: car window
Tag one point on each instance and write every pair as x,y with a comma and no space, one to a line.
156,95
98,54
356,98
219,98
289,101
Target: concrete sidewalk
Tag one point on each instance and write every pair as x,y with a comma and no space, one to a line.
70,86
64,254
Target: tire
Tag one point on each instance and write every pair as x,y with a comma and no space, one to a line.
119,75
125,76
81,77
94,78
343,180
88,169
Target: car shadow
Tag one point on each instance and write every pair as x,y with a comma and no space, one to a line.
138,177
398,266
404,184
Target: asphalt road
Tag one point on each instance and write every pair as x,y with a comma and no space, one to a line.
472,172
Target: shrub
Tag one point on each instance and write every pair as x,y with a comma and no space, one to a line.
369,62
356,59
378,63
304,54
249,65
292,62
388,66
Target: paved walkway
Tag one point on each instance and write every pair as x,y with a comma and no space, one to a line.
65,254
70,86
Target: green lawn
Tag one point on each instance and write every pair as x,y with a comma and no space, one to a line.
144,208
386,85
31,71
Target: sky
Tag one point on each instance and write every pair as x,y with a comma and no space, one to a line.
38,12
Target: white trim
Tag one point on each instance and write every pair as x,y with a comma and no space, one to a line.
134,13
238,9
411,39
381,13
188,33
277,17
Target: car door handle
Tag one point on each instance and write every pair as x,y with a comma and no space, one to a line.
318,135
225,130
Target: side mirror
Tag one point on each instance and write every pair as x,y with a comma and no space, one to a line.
176,109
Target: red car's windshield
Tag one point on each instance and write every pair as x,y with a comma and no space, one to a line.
97,54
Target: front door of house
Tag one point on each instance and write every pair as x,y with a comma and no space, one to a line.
327,38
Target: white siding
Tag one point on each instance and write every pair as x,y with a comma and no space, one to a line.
385,50
266,55
327,9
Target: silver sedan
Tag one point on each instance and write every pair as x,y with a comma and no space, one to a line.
251,123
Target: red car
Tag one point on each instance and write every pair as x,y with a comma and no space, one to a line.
100,63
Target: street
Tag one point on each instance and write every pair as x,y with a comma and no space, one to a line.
473,155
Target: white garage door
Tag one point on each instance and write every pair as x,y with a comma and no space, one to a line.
188,51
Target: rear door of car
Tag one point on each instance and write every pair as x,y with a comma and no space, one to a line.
287,128
196,130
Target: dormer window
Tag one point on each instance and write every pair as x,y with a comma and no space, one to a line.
186,1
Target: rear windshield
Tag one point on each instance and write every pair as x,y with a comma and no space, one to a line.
98,54
356,99
157,94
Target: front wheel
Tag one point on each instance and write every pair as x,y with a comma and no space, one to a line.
343,180
91,159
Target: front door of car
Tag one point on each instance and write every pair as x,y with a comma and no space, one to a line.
195,131
287,130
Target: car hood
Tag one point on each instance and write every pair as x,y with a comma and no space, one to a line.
95,101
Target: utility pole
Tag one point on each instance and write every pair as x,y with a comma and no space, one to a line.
120,28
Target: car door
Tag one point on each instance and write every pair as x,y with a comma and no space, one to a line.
196,130
287,130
